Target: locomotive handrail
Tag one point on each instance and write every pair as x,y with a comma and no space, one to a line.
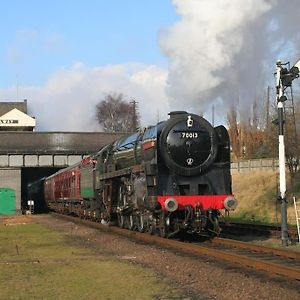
125,171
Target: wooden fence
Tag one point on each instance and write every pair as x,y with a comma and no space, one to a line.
266,164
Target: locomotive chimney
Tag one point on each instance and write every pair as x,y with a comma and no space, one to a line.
177,113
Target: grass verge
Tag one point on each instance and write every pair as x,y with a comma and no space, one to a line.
257,196
37,263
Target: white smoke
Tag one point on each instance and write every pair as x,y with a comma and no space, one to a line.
224,50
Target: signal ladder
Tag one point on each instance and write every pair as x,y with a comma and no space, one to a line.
297,211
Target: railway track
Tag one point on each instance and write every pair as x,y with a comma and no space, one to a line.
273,261
236,228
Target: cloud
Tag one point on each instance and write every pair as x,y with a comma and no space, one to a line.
67,100
226,49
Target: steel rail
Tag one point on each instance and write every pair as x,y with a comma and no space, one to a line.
257,248
261,229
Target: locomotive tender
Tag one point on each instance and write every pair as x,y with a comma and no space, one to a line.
171,177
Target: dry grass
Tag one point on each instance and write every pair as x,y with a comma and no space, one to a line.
15,220
37,263
257,195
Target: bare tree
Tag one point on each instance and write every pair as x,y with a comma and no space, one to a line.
234,132
246,133
255,134
114,114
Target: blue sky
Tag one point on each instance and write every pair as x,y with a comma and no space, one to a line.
40,37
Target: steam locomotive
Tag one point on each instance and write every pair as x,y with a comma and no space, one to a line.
168,178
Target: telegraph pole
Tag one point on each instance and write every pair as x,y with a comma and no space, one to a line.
268,109
134,115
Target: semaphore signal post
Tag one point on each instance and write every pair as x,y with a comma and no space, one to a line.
284,78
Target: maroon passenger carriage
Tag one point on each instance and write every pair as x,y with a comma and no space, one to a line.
168,178
62,190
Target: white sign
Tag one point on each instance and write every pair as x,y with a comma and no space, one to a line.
30,202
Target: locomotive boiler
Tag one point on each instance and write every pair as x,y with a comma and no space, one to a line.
171,177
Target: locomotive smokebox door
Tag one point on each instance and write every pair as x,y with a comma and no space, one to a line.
188,144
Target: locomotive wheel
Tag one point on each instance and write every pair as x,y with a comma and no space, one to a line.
162,231
135,222
214,227
126,221
151,226
151,229
129,222
140,223
121,222
162,228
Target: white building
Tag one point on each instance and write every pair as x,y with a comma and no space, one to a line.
13,117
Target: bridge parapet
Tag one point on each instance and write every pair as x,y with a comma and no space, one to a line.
50,149
36,160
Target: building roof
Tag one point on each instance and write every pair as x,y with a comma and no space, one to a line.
5,107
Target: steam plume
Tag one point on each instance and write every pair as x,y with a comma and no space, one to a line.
225,49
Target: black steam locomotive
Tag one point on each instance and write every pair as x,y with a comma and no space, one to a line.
168,178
